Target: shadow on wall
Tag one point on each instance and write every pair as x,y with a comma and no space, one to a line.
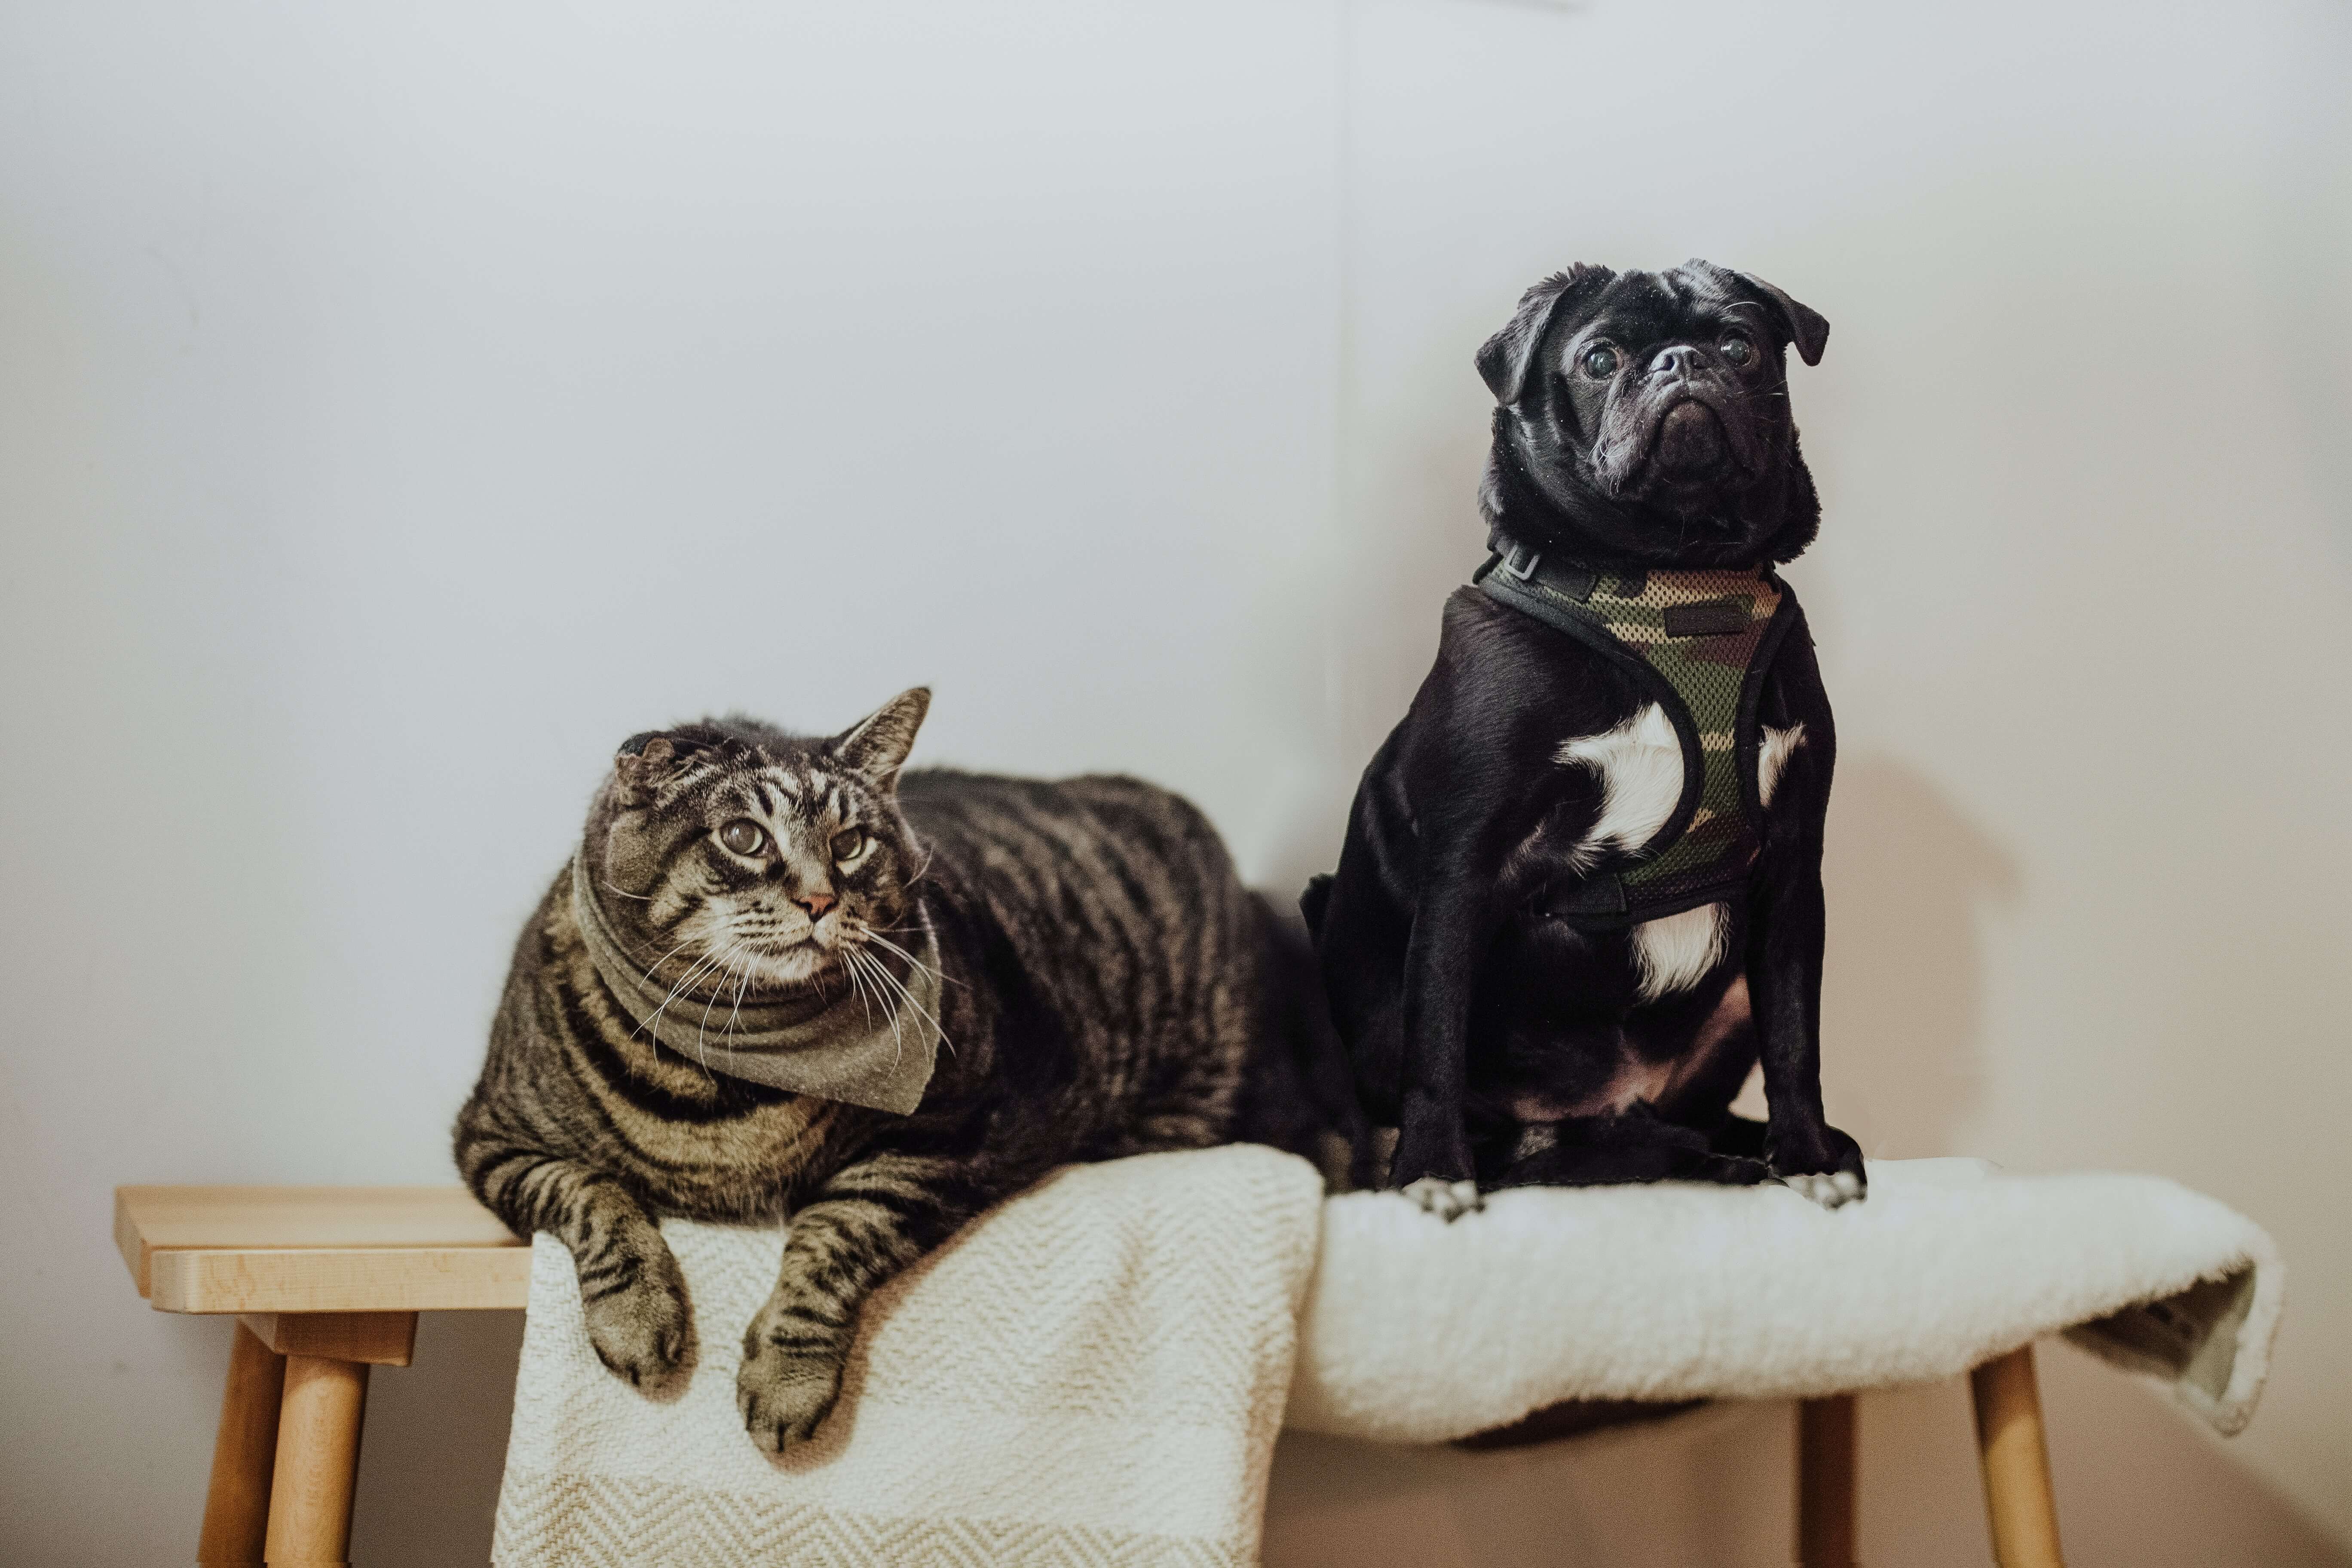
1908,880
2135,1484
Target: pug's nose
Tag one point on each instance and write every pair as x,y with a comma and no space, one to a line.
815,904
1678,359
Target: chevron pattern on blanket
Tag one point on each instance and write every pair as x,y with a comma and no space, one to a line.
602,1522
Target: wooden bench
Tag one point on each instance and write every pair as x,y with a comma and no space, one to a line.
326,1282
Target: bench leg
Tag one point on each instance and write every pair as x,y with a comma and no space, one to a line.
236,1504
318,1462
1825,1470
2019,1504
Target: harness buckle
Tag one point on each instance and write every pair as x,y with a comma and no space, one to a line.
1511,561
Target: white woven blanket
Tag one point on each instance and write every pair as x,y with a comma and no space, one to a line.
1092,1376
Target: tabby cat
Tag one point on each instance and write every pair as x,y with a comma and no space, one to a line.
779,978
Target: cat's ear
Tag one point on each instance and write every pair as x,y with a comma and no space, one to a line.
643,760
877,746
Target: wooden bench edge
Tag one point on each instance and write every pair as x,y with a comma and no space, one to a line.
149,1219
341,1280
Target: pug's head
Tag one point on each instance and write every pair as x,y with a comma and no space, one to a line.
1643,418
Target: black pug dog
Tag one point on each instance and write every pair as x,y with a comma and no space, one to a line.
1581,891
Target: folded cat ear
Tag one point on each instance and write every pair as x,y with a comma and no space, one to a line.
643,759
877,745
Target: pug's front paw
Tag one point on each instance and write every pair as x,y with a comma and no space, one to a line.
1826,1165
1831,1189
783,1393
1446,1200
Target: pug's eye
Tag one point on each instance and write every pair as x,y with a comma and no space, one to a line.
1600,362
848,845
743,836
1738,350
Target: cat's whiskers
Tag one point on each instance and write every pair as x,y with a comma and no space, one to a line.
654,1022
742,981
666,957
865,960
857,984
654,1018
897,1034
901,986
728,955
727,969
912,961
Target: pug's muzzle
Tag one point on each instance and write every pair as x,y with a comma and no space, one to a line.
1682,427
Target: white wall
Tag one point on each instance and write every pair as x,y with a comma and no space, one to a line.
399,406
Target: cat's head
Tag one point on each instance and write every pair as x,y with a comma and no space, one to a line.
749,857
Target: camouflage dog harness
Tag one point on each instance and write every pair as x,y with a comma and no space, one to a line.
1699,642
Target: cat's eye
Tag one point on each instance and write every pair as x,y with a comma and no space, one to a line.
848,845
1600,362
743,836
1738,350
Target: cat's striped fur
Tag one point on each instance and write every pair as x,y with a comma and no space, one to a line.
1106,981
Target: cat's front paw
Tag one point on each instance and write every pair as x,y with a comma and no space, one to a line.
1825,1165
644,1331
783,1393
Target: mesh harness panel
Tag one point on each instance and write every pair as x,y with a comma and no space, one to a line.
1700,642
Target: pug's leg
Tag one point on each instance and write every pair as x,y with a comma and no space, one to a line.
1785,974
1432,1162
1785,939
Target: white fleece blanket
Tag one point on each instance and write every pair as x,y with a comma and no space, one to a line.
1092,1376
1095,1374
1419,1332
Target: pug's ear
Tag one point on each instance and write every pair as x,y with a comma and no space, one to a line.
1504,358
877,746
1809,329
1805,327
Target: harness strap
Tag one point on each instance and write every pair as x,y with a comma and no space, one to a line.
1699,642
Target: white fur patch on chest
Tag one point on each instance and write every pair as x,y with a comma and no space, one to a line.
1679,950
1773,756
1641,767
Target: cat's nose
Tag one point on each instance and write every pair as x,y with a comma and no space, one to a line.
815,904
